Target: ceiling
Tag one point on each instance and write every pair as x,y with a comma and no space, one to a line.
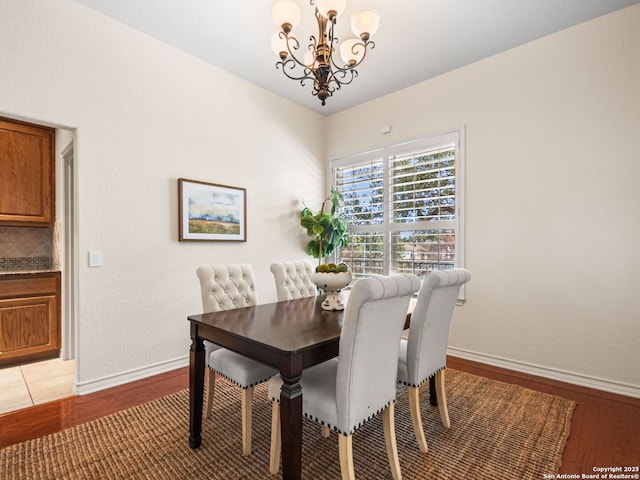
417,39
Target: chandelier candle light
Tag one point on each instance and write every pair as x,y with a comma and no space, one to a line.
318,63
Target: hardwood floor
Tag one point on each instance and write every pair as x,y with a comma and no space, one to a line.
39,420
605,431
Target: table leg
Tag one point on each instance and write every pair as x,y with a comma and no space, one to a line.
291,427
196,388
433,400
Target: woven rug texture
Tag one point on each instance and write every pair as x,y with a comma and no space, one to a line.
497,430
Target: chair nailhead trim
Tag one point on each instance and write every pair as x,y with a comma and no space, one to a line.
336,429
422,382
244,387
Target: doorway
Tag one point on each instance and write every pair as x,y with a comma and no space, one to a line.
68,250
40,381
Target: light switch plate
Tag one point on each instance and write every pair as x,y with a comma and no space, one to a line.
95,258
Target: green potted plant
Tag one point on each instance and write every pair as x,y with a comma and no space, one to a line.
328,231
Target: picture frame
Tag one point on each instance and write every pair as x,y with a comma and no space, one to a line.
211,212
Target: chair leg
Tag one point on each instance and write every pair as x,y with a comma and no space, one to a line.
416,419
441,394
247,407
346,457
276,440
325,432
210,385
390,439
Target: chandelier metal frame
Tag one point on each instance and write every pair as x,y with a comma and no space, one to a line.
326,74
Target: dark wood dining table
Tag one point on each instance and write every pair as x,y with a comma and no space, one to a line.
290,336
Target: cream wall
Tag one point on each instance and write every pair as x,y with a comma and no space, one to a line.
552,198
552,185
145,114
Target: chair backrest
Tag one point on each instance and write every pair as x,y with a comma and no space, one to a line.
227,286
293,280
431,322
369,343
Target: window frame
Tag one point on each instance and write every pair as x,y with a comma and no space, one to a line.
386,154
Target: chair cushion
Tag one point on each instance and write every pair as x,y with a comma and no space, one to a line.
239,369
403,368
318,392
209,348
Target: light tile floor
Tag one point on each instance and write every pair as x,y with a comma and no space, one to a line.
34,383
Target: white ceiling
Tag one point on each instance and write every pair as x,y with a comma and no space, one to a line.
417,39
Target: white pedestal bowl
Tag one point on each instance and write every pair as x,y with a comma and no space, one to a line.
331,283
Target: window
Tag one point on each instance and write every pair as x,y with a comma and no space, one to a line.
404,205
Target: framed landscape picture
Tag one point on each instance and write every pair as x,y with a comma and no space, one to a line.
212,212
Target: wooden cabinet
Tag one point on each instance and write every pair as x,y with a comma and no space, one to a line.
29,316
27,174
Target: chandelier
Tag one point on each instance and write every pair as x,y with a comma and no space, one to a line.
318,62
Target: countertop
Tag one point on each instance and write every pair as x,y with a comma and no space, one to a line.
7,273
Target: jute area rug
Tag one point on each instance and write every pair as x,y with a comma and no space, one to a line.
497,431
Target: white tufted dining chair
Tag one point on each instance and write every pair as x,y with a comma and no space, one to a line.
424,353
226,287
345,392
293,280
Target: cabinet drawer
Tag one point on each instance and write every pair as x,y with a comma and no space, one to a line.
29,317
28,326
28,286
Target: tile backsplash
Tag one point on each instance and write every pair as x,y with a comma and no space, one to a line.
25,248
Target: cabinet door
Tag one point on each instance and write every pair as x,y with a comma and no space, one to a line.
28,326
26,174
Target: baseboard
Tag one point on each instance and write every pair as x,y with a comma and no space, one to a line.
117,379
611,386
